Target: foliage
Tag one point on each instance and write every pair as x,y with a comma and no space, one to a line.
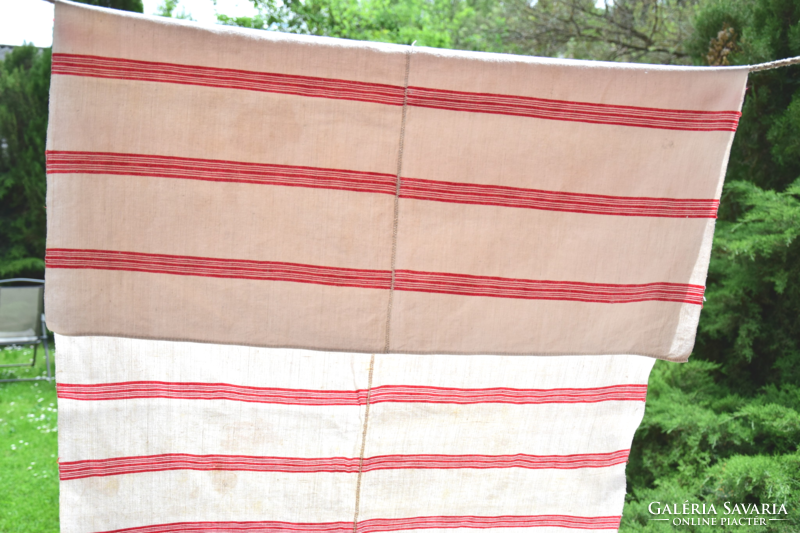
167,9
702,442
24,89
751,324
459,24
726,426
623,30
125,5
751,317
649,31
24,93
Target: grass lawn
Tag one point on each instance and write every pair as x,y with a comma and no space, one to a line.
28,447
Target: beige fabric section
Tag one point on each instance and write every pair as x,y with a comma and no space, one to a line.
253,127
329,228
445,323
563,156
233,311
546,245
186,217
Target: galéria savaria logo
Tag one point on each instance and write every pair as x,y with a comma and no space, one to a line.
729,514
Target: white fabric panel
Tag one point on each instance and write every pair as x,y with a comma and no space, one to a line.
115,359
402,428
122,428
116,502
163,435
483,371
500,492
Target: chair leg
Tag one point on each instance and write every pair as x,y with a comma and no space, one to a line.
47,358
33,361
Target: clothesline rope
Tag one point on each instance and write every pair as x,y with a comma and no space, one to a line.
753,68
775,64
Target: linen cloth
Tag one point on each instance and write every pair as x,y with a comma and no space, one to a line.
248,187
307,284
159,436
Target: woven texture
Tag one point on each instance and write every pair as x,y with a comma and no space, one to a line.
158,436
302,284
243,187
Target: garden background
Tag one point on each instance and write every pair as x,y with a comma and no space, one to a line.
723,427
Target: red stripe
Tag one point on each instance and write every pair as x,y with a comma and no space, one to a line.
383,394
495,287
255,527
183,461
208,391
405,280
376,525
594,204
128,69
217,268
341,465
617,115
63,162
503,395
643,117
532,462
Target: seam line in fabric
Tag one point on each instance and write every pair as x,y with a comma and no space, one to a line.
363,444
396,220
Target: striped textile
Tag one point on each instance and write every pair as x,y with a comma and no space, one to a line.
386,393
309,285
174,436
337,195
404,280
235,463
59,162
124,69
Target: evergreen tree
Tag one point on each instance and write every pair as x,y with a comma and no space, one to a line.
124,5
24,89
726,426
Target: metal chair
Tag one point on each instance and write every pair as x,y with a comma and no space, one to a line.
22,320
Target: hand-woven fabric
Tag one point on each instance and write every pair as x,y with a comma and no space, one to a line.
217,185
159,436
316,285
